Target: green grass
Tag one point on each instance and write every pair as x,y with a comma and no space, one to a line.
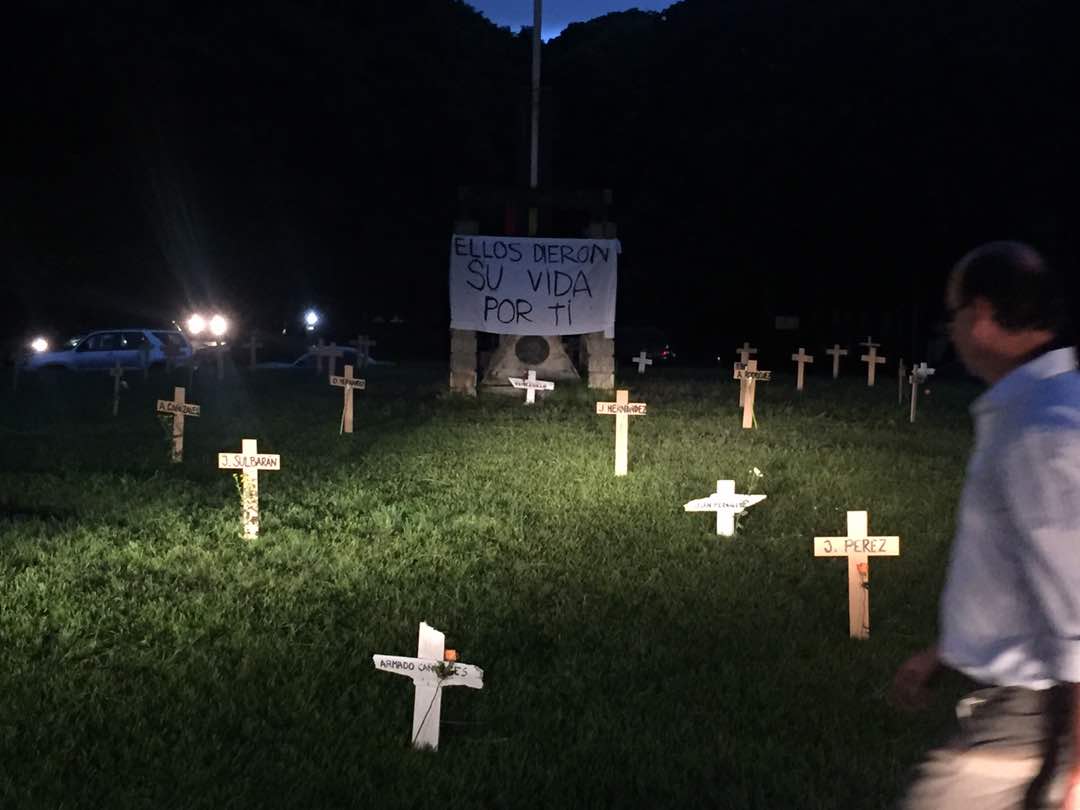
149,657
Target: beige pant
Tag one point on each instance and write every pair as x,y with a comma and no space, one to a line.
1010,753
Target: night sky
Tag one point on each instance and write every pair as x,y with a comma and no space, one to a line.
828,162
557,14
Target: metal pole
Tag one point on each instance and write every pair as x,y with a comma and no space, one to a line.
534,146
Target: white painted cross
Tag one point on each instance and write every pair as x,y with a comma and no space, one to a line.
250,460
331,353
801,359
622,408
253,345
836,353
531,386
642,360
871,359
919,375
900,372
750,376
363,346
432,670
858,548
116,372
744,358
179,409
726,504
348,382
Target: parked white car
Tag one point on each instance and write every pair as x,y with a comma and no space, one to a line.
100,350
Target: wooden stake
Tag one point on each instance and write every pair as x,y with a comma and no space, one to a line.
750,376
744,353
836,353
801,358
900,371
179,408
253,345
349,383
919,375
622,408
858,548
250,460
116,373
872,360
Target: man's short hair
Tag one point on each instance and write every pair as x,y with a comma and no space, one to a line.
1021,287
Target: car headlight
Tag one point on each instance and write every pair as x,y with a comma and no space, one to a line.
39,345
196,324
218,326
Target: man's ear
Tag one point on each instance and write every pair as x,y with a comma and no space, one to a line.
982,311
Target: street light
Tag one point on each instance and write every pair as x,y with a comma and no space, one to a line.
311,320
39,345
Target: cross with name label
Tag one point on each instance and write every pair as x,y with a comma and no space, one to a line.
179,408
250,460
744,357
331,353
919,375
871,359
253,345
363,346
858,548
836,353
801,359
349,383
117,373
622,408
726,504
433,669
750,377
531,386
642,360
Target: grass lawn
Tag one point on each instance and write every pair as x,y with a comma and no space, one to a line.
151,658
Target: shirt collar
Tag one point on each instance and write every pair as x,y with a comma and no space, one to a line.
1013,384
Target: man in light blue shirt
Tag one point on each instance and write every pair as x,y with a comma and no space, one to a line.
1010,611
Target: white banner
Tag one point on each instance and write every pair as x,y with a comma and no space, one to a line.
523,286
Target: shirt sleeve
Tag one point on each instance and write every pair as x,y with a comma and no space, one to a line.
1041,479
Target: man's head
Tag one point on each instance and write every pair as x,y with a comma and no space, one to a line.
1004,303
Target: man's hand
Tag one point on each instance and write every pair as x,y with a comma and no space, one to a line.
910,685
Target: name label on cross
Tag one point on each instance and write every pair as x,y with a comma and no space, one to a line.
168,406
746,374
843,546
239,461
536,385
348,382
632,408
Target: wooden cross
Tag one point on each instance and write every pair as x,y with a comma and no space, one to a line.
801,359
250,460
858,548
363,346
642,360
726,504
179,409
872,360
749,377
836,353
900,372
744,357
531,386
252,345
433,669
348,382
622,408
919,375
331,353
116,372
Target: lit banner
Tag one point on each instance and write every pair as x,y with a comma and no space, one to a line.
522,286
